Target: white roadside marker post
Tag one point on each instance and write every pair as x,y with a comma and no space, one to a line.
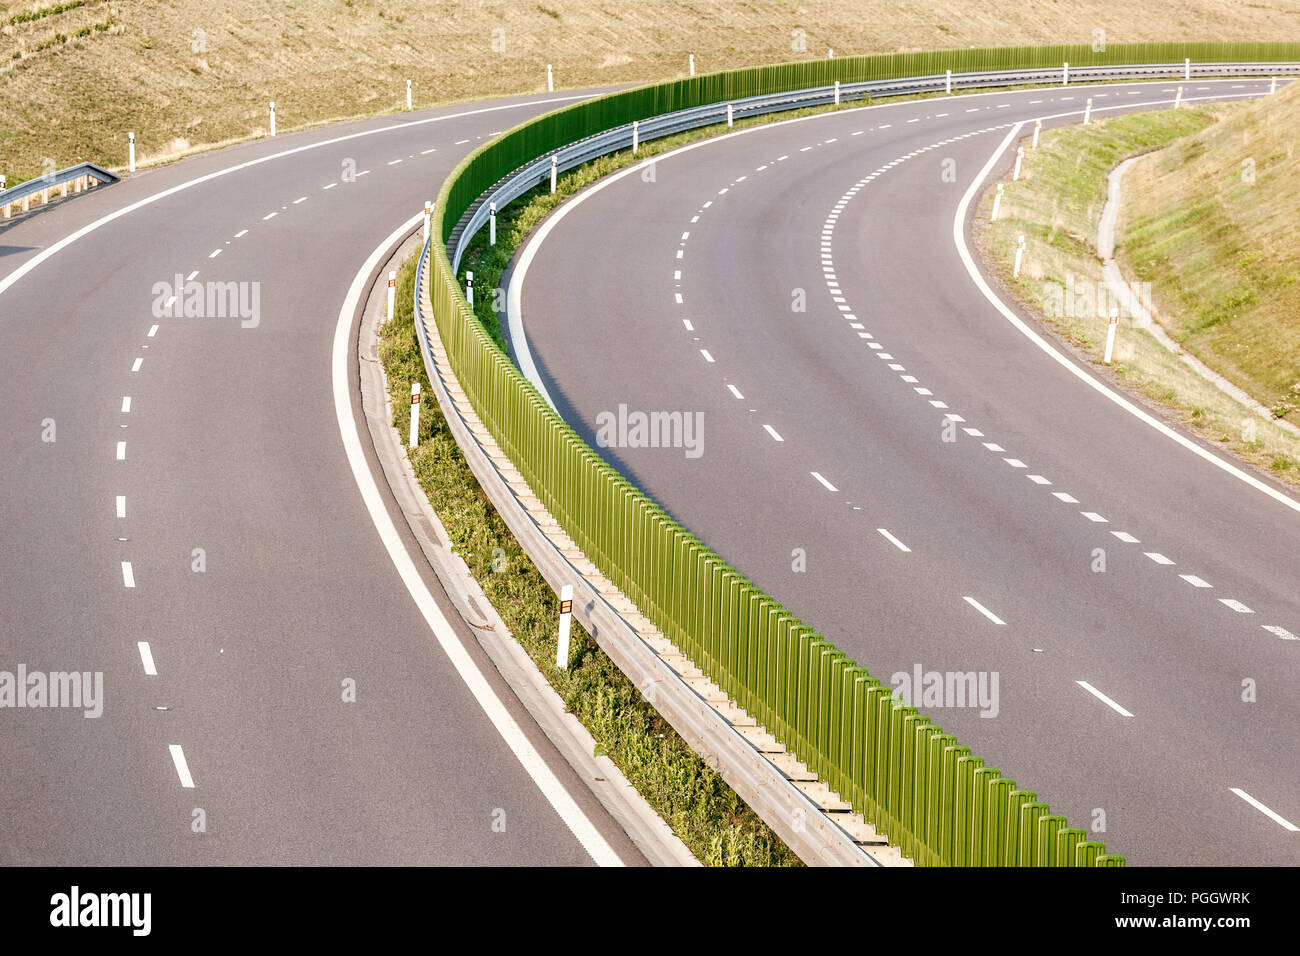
555,165
830,54
428,220
566,617
1187,68
492,224
550,79
948,84
272,117
408,95
997,201
1087,112
636,136
392,293
1065,74
1020,256
1272,87
469,288
1178,100
730,115
1020,158
415,416
1038,128
692,66
1111,326
130,152
837,92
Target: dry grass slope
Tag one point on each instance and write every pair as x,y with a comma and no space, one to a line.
1211,221
75,75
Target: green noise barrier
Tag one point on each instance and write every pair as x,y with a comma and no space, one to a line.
929,795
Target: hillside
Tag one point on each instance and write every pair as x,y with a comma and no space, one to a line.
75,75
1210,221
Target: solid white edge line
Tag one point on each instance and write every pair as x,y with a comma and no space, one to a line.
959,238
983,610
182,768
85,230
894,541
146,658
550,786
1103,698
1272,815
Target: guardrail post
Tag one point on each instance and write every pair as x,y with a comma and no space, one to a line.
392,292
550,79
469,287
1111,326
130,152
272,117
1020,255
408,95
997,201
636,134
1178,100
566,616
1065,74
492,224
1020,158
692,65
730,116
1038,128
415,416
555,165
1087,112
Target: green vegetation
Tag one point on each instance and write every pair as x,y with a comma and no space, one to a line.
1211,221
1056,205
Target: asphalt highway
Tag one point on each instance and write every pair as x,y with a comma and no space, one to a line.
1136,601
271,692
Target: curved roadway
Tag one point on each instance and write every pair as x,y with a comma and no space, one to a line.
225,672
1058,539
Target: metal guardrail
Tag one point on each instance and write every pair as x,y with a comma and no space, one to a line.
83,174
620,137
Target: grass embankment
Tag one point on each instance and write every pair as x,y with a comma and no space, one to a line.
1212,222
1056,205
701,808
76,75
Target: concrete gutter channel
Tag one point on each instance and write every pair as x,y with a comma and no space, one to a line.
811,819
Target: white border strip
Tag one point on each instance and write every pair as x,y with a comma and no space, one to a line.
451,644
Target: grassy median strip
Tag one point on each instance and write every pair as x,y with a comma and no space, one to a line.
1056,206
708,816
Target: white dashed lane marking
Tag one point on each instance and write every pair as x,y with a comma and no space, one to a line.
735,391
121,451
894,541
128,576
772,431
983,610
1103,698
146,658
1275,817
1236,606
1195,582
826,484
121,506
1281,632
182,768
126,403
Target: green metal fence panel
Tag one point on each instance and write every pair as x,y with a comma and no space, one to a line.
845,727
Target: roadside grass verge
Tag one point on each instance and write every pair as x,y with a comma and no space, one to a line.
1056,206
708,816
